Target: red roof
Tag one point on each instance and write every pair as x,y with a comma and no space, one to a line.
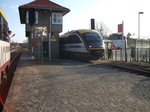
41,5
44,4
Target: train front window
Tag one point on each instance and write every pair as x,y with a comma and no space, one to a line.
92,40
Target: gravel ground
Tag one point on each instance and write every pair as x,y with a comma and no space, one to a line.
72,86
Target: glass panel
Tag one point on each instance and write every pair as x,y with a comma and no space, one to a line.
56,18
91,36
93,40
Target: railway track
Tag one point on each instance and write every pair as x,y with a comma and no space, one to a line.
136,68
4,87
140,69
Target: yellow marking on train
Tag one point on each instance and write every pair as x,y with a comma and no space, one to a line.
1,12
85,31
80,31
95,48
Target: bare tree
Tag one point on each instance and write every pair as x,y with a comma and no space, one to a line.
103,29
129,35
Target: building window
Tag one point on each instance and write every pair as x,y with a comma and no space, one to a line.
36,17
27,17
56,18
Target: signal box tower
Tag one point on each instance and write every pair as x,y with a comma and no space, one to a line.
43,23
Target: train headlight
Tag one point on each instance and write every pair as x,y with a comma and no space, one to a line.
90,46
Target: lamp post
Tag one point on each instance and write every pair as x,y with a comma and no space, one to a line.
137,44
139,24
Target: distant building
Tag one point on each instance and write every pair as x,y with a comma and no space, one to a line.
115,36
117,41
131,42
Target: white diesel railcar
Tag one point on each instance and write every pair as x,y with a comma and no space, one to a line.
82,44
4,47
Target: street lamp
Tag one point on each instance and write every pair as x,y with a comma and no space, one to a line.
139,24
137,44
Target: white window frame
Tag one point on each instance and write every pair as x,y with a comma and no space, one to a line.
27,17
57,18
36,17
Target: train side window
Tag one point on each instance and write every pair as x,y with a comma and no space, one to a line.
74,39
70,39
65,40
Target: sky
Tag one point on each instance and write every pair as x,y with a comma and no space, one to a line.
110,12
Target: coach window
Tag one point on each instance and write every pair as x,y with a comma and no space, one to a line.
75,39
65,40
56,18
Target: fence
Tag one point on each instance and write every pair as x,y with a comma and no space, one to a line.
138,52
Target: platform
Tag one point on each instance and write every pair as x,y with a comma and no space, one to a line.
73,86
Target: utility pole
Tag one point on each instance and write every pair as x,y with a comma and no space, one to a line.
49,41
137,43
125,41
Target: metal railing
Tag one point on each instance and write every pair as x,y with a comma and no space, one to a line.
138,52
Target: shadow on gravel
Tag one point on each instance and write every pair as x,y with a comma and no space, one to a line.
59,62
28,60
141,90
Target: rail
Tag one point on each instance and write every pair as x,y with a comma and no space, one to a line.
139,69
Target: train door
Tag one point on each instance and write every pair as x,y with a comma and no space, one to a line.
45,49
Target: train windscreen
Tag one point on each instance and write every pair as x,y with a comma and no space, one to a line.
93,40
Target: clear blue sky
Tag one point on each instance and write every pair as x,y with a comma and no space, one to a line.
111,12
